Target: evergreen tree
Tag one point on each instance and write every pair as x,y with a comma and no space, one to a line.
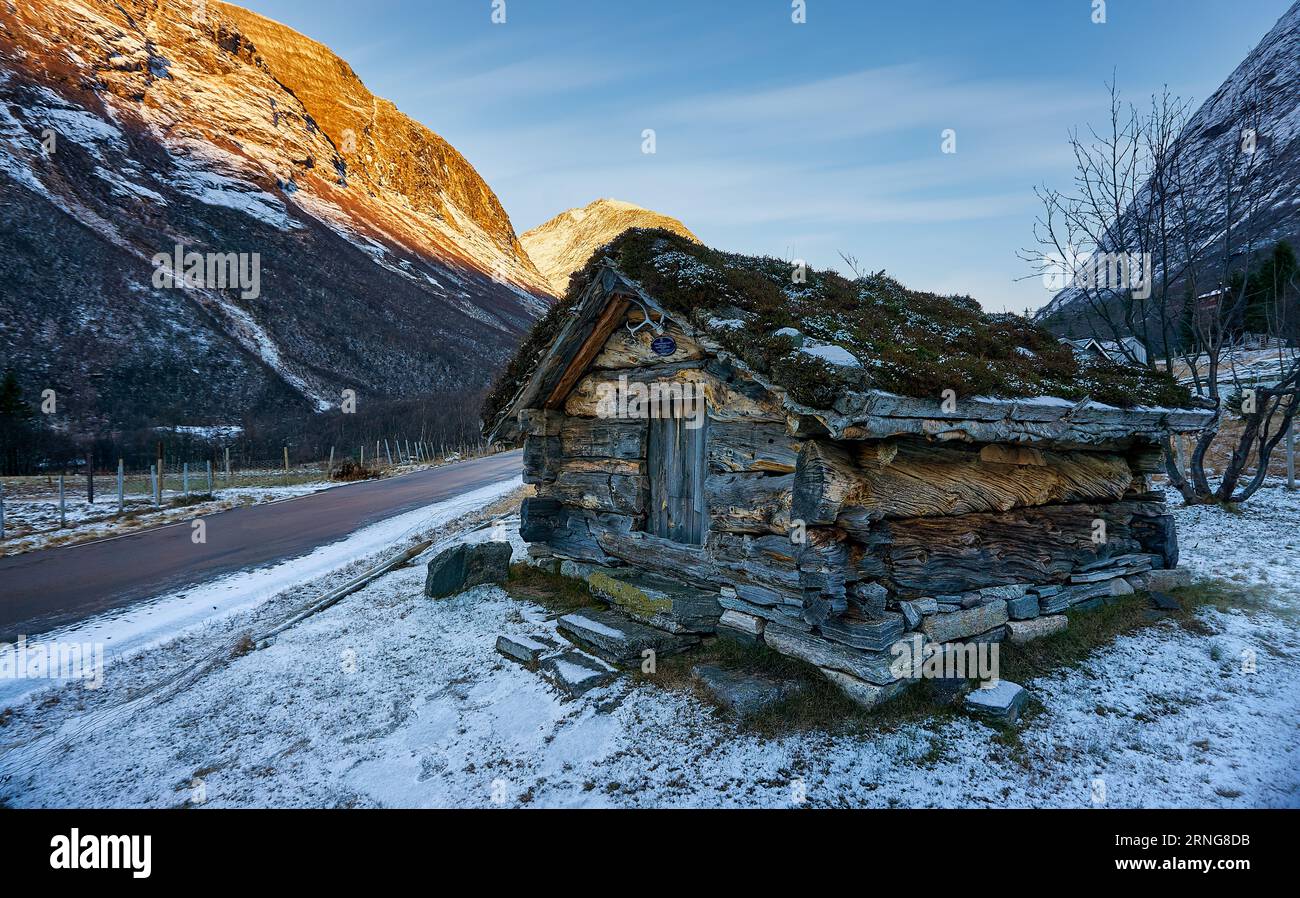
15,424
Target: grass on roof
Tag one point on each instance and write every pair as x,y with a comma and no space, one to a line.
909,342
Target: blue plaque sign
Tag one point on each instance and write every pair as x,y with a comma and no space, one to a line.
664,345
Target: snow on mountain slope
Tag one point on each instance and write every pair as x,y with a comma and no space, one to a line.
127,128
1270,74
563,244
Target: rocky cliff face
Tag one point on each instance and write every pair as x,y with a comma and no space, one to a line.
562,245
1268,80
386,264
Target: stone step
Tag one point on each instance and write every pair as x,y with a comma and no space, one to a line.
662,603
619,639
525,649
741,693
1002,703
575,672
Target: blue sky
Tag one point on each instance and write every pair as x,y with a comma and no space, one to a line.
799,141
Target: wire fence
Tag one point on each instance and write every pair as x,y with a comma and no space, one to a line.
59,500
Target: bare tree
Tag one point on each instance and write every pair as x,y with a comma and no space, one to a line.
1190,226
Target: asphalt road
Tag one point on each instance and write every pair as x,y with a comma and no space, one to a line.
54,587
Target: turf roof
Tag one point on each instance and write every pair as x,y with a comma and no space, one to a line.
905,341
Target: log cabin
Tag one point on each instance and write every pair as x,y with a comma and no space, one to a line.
730,445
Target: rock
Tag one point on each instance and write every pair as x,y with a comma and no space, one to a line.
1159,536
1164,601
880,668
657,601
968,622
855,629
946,608
1123,566
574,672
870,597
791,615
1002,703
745,628
740,693
911,614
1165,580
464,566
868,695
1023,607
1121,587
1035,628
575,569
617,638
525,649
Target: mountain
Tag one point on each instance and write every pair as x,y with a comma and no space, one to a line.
1269,77
561,246
385,263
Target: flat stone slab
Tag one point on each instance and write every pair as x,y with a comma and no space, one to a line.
967,622
741,693
575,672
1036,628
868,695
1002,703
525,649
744,628
1165,580
617,638
872,633
662,603
878,668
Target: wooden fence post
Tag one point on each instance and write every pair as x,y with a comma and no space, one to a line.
185,478
329,472
209,464
2,511
155,486
227,466
388,452
121,486
63,507
286,465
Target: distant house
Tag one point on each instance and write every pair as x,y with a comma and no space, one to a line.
1125,351
833,467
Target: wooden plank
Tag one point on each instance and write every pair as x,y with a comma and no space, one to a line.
584,346
601,438
750,502
911,478
752,446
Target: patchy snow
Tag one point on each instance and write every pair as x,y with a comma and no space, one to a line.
831,354
151,623
391,699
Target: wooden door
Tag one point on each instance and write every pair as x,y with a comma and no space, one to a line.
675,454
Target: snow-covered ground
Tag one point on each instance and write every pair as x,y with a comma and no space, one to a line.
391,699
